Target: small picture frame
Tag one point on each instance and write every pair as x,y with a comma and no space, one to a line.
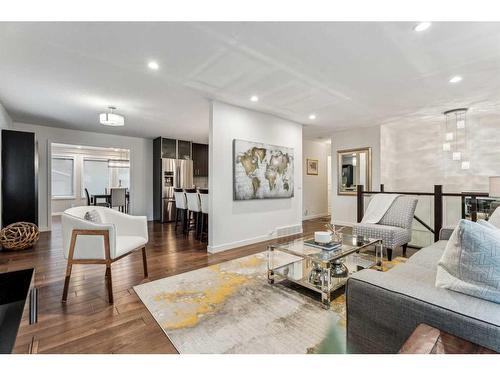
312,167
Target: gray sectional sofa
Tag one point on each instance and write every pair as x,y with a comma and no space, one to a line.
383,308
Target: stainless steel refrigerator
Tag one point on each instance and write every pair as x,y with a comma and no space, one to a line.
175,173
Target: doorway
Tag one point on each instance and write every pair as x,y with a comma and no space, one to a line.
75,169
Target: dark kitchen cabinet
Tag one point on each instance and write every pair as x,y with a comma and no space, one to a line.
184,150
168,148
200,160
19,177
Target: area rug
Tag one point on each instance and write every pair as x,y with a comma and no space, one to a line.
231,308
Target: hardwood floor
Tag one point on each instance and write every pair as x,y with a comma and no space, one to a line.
87,323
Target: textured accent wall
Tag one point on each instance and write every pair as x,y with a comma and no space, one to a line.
412,155
412,159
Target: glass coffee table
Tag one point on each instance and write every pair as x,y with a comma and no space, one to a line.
321,270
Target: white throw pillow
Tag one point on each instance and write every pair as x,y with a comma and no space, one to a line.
495,218
471,261
93,216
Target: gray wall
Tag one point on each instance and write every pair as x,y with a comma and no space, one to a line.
343,206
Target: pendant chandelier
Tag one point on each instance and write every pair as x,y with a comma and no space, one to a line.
455,137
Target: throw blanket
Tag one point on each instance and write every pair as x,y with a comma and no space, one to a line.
377,208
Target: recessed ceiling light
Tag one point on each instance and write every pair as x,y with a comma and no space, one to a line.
312,116
254,98
422,26
455,79
153,65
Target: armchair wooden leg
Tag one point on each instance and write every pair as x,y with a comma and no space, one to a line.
145,262
109,283
389,254
66,281
69,267
404,249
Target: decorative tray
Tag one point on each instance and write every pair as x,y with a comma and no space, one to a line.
328,246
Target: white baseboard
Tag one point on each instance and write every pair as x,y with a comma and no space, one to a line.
248,241
315,216
44,229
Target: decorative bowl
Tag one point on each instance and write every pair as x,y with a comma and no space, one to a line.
323,237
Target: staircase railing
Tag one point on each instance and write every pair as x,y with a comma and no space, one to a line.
438,204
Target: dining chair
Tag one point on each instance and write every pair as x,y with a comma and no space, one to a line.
90,201
194,207
180,208
204,212
119,198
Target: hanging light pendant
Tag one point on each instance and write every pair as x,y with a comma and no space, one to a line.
456,130
111,119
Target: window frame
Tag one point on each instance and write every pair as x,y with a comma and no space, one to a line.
63,197
82,177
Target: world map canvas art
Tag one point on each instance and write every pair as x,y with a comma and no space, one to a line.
262,171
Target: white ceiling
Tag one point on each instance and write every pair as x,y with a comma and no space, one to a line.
348,74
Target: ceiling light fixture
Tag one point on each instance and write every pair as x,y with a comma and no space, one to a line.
111,119
312,116
254,98
153,65
455,79
422,26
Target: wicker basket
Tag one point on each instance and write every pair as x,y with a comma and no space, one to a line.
19,236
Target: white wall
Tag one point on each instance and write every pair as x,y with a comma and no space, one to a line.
238,223
5,123
344,206
141,164
315,188
5,120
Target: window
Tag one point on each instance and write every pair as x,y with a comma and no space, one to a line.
95,176
120,177
63,177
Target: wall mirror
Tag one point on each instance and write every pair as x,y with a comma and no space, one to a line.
354,168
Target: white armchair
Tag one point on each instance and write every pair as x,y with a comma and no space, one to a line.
87,242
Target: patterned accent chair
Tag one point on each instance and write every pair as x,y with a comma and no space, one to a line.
394,229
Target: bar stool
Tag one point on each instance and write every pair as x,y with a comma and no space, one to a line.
194,207
204,212
180,208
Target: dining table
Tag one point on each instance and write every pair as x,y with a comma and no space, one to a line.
107,197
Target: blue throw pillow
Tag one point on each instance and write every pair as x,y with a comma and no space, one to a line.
471,261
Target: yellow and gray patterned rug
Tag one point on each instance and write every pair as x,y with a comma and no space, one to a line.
231,308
